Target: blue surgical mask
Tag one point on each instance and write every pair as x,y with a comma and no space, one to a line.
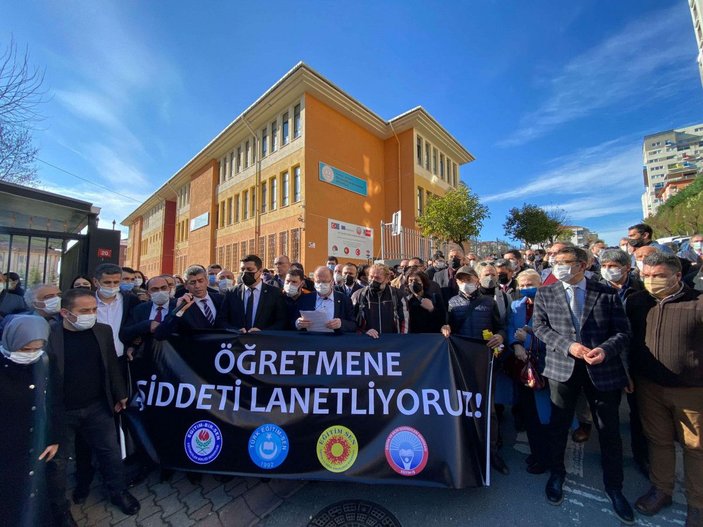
126,286
212,279
529,292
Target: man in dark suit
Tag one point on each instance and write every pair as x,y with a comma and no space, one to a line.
252,305
196,309
349,285
586,333
336,305
91,388
142,322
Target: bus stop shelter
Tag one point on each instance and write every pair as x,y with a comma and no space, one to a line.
46,237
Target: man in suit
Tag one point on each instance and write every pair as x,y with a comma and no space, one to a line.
253,305
349,285
196,309
335,305
586,333
282,264
91,388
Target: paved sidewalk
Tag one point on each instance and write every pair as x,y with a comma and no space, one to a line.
240,502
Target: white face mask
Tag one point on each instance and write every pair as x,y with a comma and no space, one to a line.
160,298
108,292
83,322
138,282
323,288
562,272
338,278
467,287
225,284
291,289
551,260
640,265
611,274
22,357
51,305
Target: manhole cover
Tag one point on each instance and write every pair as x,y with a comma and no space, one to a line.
354,513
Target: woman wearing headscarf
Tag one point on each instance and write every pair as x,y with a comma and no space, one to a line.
29,425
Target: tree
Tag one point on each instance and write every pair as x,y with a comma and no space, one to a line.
454,217
533,225
680,214
557,221
20,95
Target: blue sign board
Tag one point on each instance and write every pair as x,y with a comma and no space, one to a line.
336,177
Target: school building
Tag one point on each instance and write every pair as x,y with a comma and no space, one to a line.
305,171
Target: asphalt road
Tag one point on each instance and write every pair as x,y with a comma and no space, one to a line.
514,499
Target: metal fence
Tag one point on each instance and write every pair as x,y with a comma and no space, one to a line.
409,243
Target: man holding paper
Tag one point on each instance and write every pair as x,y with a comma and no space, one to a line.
327,310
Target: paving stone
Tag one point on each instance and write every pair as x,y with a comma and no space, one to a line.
286,487
218,497
184,486
170,504
211,521
117,515
140,491
202,512
161,490
208,483
251,482
129,521
154,520
97,512
194,500
262,500
148,507
179,519
237,513
237,489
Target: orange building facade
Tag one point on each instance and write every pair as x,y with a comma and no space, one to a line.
304,171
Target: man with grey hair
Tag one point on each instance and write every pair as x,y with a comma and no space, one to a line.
667,353
43,300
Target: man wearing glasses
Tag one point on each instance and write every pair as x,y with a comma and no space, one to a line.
586,333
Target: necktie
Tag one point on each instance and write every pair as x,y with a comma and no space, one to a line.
576,307
249,320
208,313
159,314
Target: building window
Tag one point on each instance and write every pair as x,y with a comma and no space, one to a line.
239,159
296,121
242,251
223,168
285,129
274,193
271,250
284,190
296,185
441,166
229,211
246,155
434,161
274,136
263,197
245,204
264,141
427,155
262,248
283,242
252,191
294,245
221,215
420,204
419,150
236,208
455,174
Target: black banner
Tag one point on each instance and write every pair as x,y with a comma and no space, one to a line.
400,409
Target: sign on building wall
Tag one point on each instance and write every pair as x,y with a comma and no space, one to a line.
348,240
341,179
200,221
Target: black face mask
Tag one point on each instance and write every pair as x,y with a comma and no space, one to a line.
417,288
349,280
503,278
456,263
375,286
248,278
531,258
639,242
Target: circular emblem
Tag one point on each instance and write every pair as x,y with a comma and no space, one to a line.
203,442
268,446
346,250
406,451
337,448
327,173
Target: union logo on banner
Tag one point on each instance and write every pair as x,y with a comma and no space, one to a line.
406,451
203,442
337,448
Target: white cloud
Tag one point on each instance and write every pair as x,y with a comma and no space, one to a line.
645,61
610,167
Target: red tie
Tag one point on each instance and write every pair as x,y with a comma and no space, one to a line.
159,314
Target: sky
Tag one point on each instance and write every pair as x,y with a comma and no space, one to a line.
551,98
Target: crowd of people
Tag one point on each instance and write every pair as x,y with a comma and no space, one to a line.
591,322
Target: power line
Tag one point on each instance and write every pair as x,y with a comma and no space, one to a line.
87,180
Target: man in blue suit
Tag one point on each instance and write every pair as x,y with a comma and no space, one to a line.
335,304
196,309
586,333
142,322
